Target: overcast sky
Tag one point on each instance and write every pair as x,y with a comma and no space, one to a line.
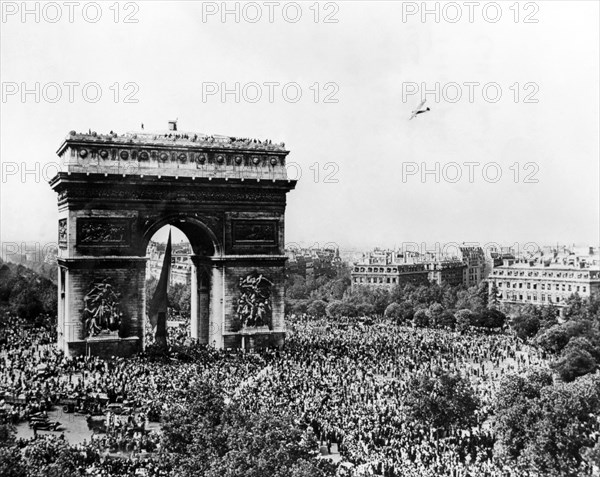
370,57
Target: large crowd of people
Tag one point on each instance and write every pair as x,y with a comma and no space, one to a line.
346,379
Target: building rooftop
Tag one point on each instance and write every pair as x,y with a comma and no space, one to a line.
175,138
173,153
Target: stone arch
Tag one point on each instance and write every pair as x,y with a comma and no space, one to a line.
113,196
202,239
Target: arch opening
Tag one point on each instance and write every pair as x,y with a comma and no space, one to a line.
188,284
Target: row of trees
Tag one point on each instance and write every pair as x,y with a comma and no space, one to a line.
423,305
573,344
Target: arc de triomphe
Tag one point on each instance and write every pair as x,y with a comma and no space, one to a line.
227,195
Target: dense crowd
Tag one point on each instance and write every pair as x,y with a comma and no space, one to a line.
350,384
348,380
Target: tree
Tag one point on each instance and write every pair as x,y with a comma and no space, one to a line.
191,428
546,428
11,462
317,308
421,318
296,288
513,411
365,309
51,456
299,306
394,312
340,308
526,324
204,435
434,312
472,299
179,296
575,307
267,442
483,293
441,401
408,312
493,301
574,362
464,318
446,320
492,318
555,338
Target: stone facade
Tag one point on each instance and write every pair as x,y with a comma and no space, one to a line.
389,268
228,197
545,280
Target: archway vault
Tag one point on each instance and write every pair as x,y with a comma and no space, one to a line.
202,239
226,195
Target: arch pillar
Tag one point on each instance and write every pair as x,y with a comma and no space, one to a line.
200,299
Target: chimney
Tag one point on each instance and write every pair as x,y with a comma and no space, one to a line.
173,125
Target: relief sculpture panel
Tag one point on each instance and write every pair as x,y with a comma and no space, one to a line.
254,303
101,313
103,232
254,232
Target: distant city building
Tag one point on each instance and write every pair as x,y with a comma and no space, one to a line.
547,279
451,272
475,260
401,267
181,264
312,263
389,268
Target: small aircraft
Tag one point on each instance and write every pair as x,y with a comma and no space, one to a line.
419,110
